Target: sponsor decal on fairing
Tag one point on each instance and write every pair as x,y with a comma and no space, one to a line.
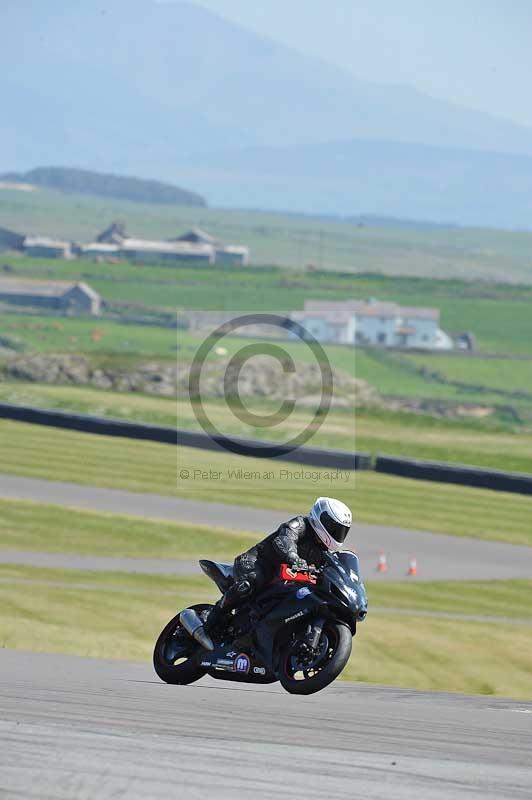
295,616
242,663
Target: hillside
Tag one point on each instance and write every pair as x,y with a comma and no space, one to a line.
201,92
65,179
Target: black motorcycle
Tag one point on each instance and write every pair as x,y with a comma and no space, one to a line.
297,631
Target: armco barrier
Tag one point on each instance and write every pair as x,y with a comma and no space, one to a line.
455,473
310,456
88,424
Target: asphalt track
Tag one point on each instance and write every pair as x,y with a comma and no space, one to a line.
80,728
439,557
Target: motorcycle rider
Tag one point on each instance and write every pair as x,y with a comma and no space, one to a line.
300,542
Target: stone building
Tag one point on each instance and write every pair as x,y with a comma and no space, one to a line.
69,298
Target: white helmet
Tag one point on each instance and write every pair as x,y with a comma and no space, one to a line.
331,519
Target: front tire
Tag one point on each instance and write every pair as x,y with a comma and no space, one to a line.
299,676
176,657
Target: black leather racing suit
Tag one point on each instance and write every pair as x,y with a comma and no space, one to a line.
253,569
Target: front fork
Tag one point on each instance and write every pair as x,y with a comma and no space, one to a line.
314,631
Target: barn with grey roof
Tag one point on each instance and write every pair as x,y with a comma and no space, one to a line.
63,296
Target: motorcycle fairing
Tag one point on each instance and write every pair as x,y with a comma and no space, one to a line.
292,609
273,611
228,664
343,574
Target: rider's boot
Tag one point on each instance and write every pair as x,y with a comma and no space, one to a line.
234,596
215,621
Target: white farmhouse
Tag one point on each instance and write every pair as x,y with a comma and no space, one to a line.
327,324
373,323
376,323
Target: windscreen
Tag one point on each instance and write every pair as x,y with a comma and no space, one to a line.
349,562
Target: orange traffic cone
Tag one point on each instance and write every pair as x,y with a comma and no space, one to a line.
412,569
382,564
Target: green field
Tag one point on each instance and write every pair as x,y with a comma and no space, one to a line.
499,314
106,615
286,239
148,467
116,344
47,334
506,375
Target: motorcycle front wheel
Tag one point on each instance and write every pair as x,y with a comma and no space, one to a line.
304,672
176,657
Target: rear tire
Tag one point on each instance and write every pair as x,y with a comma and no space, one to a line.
336,642
175,644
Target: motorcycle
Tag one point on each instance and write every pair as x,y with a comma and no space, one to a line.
298,630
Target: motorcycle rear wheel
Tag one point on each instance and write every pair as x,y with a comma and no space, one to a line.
333,654
176,657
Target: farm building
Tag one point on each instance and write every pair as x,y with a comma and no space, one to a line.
115,233
237,255
196,236
70,298
41,247
11,240
195,245
328,325
99,250
373,323
114,243
145,251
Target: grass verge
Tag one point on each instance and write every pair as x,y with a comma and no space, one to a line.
443,655
40,452
52,529
106,615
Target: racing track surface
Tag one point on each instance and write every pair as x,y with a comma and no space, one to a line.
439,557
80,728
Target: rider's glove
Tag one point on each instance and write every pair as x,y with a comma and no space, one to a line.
299,565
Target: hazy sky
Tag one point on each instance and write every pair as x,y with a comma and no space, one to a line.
474,52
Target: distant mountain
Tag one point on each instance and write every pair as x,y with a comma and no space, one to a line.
358,178
154,89
66,179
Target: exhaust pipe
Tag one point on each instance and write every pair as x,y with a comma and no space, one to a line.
193,625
